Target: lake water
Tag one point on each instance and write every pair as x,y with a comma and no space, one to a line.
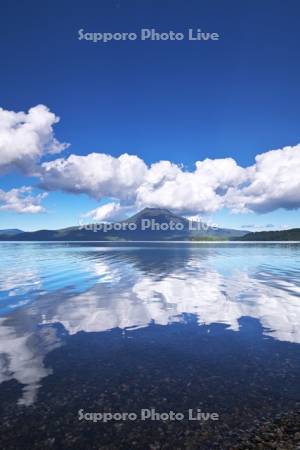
125,327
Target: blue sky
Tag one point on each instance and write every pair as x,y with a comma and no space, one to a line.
178,101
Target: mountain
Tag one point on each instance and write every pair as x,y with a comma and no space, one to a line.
180,227
150,224
158,214
10,232
284,235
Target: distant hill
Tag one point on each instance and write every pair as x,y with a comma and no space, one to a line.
149,225
10,232
283,235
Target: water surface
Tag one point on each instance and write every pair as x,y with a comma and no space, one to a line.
128,326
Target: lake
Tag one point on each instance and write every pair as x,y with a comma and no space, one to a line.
121,328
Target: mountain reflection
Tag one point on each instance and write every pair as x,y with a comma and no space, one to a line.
133,287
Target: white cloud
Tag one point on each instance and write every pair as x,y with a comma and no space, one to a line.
97,174
25,137
108,212
272,182
199,191
21,200
129,180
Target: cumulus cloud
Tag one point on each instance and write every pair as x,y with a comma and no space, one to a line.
97,174
26,137
202,190
128,179
271,183
108,212
21,200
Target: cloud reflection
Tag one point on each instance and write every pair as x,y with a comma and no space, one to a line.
22,357
208,294
134,288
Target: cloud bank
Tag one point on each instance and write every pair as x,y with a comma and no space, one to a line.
126,181
272,182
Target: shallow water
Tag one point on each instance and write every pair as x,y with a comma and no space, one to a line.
121,327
